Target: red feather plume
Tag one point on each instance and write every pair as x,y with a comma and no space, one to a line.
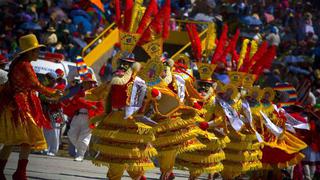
235,57
266,61
258,55
151,10
127,15
231,47
195,41
166,19
118,13
157,24
219,49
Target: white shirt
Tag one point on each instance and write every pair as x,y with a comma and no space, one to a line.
3,76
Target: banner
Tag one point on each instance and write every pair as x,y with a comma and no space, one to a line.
138,93
231,114
277,131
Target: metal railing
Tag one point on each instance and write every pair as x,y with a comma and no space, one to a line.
188,44
180,26
86,50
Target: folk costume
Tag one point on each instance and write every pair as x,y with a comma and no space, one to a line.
175,129
281,149
174,125
243,153
21,116
122,142
206,160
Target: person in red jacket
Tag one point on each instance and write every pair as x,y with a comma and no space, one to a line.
81,110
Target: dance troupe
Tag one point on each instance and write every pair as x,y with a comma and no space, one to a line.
158,108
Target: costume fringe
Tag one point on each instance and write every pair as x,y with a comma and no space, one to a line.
199,170
173,124
191,147
124,152
129,166
122,136
232,170
240,146
244,156
234,136
175,138
198,157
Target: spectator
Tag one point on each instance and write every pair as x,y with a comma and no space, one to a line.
3,73
53,111
80,132
273,38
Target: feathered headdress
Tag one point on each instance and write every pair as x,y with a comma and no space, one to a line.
253,60
140,26
204,68
221,45
195,41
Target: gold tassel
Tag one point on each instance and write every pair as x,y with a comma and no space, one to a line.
122,136
197,157
113,151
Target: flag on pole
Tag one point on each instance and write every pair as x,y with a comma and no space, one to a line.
81,67
99,4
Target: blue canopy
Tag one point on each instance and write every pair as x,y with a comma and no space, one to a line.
251,21
30,26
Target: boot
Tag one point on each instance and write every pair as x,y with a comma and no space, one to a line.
2,166
21,173
172,176
143,178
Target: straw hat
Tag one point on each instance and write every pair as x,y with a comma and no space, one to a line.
28,43
51,29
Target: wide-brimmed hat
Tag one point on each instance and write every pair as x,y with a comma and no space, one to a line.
29,42
51,29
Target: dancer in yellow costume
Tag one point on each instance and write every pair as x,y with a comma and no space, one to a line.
207,160
122,142
281,149
175,129
243,153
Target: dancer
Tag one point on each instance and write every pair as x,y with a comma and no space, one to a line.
281,148
21,117
208,159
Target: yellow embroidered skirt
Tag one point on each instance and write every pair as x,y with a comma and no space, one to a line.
123,142
283,152
206,160
176,134
24,131
243,154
